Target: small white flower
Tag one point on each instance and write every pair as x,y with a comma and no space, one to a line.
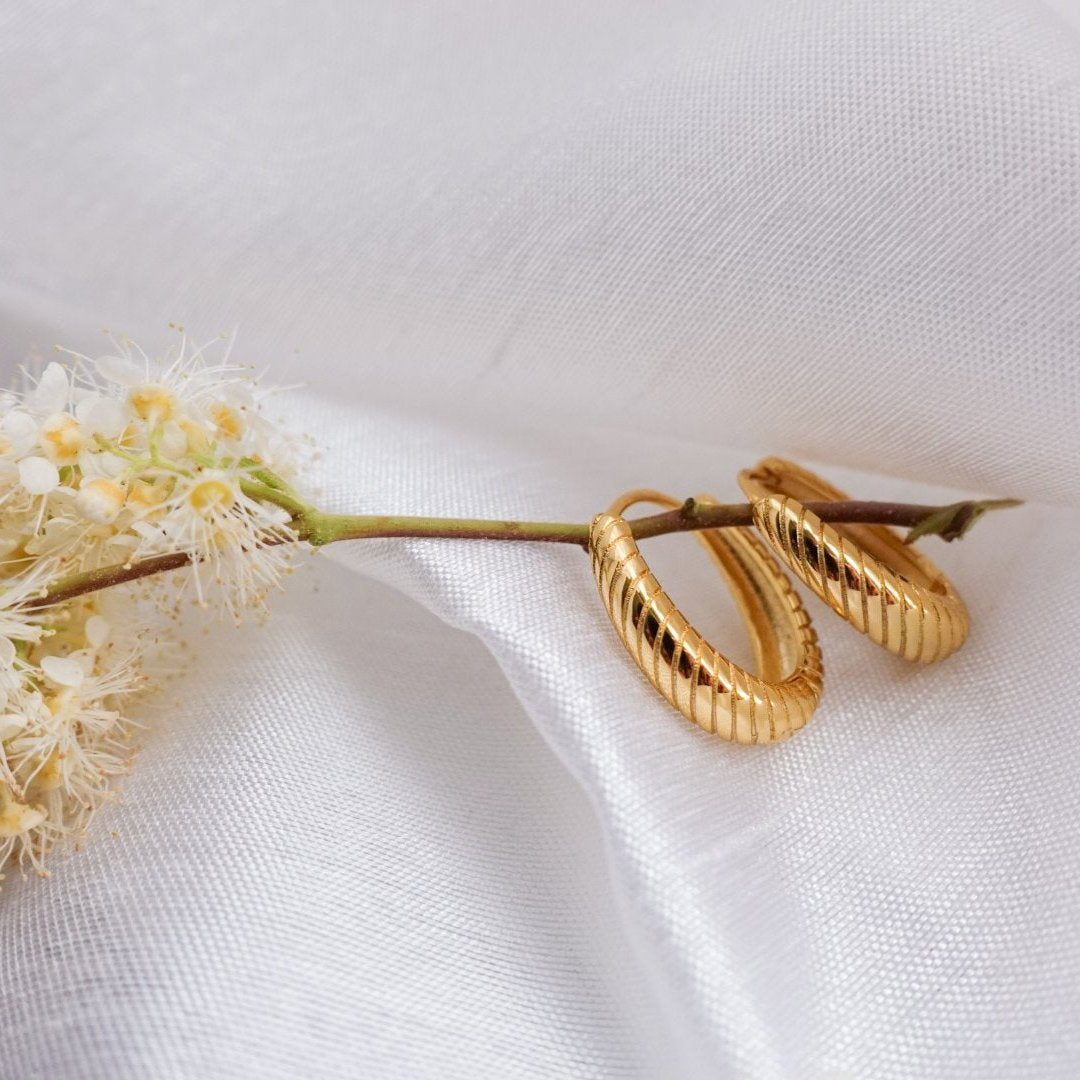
62,746
62,438
103,462
20,431
101,415
38,475
241,540
100,500
153,402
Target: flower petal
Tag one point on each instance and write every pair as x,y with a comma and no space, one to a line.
97,630
102,415
63,670
21,429
52,391
11,724
38,475
120,369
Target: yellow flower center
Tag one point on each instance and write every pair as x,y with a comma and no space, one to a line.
61,439
153,402
54,703
145,494
211,495
227,420
17,818
197,438
128,437
145,499
100,500
48,777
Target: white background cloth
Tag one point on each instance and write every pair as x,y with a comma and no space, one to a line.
429,821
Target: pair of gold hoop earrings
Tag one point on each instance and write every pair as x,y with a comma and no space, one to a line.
865,573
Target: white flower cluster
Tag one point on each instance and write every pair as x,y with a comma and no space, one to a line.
104,463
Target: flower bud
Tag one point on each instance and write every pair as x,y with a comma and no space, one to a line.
61,438
100,500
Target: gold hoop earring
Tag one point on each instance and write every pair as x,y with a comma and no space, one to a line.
706,687
865,573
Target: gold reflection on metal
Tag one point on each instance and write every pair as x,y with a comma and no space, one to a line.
865,573
706,687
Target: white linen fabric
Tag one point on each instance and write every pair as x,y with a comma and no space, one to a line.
430,821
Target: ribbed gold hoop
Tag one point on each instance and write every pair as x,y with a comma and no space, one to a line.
706,687
865,573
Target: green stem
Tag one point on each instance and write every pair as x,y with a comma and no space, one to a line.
319,528
262,491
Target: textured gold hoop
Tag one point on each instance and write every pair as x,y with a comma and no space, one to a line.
706,687
865,573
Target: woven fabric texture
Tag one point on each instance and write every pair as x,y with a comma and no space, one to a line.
430,821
